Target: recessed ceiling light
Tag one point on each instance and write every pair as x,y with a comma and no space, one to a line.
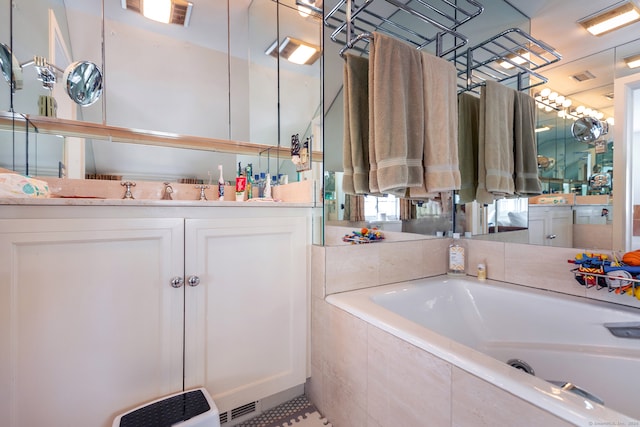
611,19
295,51
165,11
632,61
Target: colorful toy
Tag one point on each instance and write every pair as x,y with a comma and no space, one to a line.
365,235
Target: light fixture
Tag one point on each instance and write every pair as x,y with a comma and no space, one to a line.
632,61
610,19
521,57
165,11
295,51
308,8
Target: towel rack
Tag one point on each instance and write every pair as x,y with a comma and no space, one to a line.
510,57
353,21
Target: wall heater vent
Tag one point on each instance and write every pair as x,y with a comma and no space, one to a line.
243,410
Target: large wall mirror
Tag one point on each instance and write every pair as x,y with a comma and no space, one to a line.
576,173
210,79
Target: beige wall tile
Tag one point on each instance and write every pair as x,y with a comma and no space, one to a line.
318,269
477,403
401,261
343,405
435,256
489,253
406,385
346,361
352,267
541,267
313,388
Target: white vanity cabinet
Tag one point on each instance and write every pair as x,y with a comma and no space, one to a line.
92,323
246,321
551,225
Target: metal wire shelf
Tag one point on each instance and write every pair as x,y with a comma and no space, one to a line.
510,57
353,22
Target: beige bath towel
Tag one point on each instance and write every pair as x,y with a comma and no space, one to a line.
468,128
440,157
396,116
440,152
355,156
495,145
525,148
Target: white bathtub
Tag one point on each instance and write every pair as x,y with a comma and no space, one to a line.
478,326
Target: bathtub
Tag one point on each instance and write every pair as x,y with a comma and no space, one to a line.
480,326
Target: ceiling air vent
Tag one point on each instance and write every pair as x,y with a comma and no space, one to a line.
180,10
583,76
609,96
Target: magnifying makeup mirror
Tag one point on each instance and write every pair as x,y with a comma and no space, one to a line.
10,66
588,129
83,80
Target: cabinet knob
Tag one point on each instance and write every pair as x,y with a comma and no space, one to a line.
177,282
551,236
193,281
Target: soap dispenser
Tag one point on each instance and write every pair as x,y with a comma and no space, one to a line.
457,257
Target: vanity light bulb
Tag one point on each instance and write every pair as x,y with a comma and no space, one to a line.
540,105
567,103
580,109
553,96
610,120
600,115
587,111
559,99
562,114
547,108
545,92
538,97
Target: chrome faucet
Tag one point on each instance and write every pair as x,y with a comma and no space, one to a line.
202,188
128,194
168,190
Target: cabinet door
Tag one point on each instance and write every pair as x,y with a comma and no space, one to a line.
561,227
246,321
90,325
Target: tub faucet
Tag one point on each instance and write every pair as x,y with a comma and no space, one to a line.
127,193
168,190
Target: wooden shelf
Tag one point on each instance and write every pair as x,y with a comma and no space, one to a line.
63,127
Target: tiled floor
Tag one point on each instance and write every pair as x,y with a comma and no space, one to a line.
298,412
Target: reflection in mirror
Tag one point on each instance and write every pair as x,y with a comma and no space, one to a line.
10,68
209,79
83,81
424,217
588,129
578,176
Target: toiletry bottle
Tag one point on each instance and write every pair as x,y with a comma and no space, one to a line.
482,271
267,187
248,172
220,184
262,183
457,256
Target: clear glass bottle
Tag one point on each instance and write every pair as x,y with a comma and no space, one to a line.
457,257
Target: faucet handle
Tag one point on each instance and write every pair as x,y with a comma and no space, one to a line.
202,188
168,189
127,193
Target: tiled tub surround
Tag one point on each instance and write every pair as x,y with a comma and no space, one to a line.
362,375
